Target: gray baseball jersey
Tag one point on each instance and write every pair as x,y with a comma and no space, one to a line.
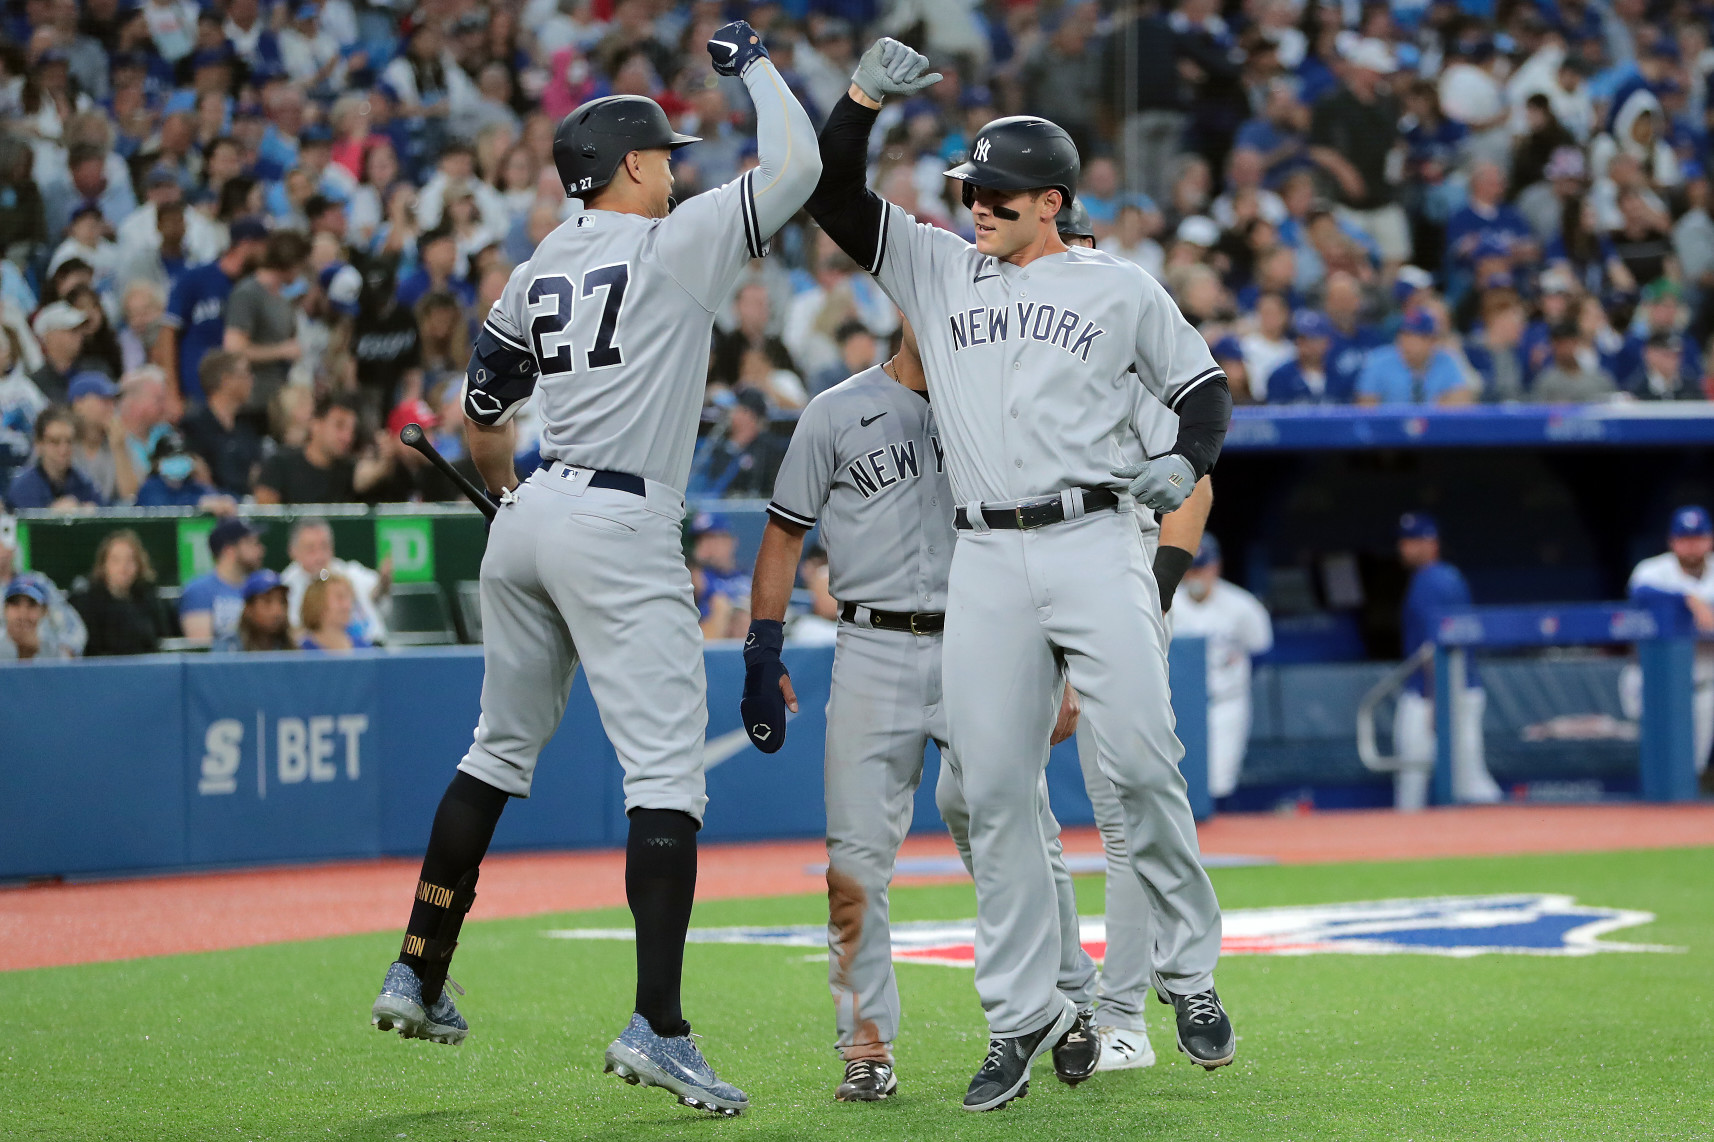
1031,367
613,313
865,461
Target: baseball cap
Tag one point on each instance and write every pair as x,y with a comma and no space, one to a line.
90,383
1199,230
409,411
248,229
170,443
227,532
1208,552
1410,279
1691,520
709,523
1226,349
261,582
754,401
343,284
1419,321
306,12
1372,55
21,587
1310,323
1418,525
161,175
57,317
1557,279
1661,289
211,57
315,133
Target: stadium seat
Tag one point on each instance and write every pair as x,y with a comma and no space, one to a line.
419,616
469,609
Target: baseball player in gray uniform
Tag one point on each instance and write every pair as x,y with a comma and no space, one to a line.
1030,349
865,462
1171,542
609,323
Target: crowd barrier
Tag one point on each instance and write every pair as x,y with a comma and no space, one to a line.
214,760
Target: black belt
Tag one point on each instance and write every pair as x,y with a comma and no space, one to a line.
1039,512
618,481
916,622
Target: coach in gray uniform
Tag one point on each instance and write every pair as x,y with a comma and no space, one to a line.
608,323
1030,349
865,462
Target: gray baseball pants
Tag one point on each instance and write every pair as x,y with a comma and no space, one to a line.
1020,602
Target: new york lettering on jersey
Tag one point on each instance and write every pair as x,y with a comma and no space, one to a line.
983,325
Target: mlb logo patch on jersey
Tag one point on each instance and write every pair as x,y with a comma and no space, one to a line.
1531,924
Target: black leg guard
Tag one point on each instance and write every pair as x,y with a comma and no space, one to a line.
436,952
463,826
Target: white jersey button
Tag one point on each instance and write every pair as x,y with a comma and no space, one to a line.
1017,463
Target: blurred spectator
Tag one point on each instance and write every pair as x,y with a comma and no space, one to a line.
1236,627
1495,349
1693,237
752,308
62,632
20,403
211,603
1352,133
722,587
1472,95
1681,574
262,624
1280,133
142,309
93,398
52,481
1058,83
138,426
858,350
1133,237
1268,345
261,318
195,323
1486,217
213,429
1305,380
313,559
26,607
1567,378
1641,241
86,240
819,626
100,345
741,460
444,338
841,293
1414,369
1638,131
173,481
327,615
118,605
1545,136
1228,353
437,270
322,471
60,328
1662,374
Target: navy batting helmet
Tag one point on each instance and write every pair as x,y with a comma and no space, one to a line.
1073,220
593,140
1020,152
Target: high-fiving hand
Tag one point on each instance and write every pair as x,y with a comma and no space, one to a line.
891,68
735,47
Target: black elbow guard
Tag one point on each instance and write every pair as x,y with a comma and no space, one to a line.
500,378
1203,414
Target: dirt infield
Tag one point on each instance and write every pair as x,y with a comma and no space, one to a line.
115,920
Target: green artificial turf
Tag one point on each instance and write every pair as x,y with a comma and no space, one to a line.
275,1043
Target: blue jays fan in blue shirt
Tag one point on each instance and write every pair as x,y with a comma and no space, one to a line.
1413,369
1307,379
212,604
195,322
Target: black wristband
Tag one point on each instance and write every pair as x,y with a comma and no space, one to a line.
1170,565
764,641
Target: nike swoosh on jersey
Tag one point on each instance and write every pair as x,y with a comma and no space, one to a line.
868,420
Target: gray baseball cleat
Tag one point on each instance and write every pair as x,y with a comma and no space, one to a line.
400,1005
675,1064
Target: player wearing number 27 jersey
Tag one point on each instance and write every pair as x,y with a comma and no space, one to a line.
609,325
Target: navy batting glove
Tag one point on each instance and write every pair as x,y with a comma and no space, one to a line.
763,706
735,47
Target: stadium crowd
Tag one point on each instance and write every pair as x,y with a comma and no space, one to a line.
245,242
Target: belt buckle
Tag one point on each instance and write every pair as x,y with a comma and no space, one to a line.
1018,512
913,624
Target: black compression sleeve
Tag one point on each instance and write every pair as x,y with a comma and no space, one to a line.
1170,565
1203,415
842,203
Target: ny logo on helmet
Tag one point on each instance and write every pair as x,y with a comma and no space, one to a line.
983,146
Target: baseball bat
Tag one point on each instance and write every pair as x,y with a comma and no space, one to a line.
413,436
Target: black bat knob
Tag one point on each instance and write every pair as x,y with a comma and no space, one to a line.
411,435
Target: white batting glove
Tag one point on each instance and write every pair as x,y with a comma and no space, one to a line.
1163,483
891,68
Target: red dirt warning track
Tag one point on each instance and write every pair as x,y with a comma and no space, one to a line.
123,919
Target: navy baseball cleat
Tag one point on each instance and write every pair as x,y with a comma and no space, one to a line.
1204,1031
675,1064
1005,1073
1079,1050
400,1005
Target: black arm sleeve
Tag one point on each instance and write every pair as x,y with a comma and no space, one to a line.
1203,415
843,204
1170,565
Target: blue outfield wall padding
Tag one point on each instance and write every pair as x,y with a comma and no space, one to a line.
91,766
166,762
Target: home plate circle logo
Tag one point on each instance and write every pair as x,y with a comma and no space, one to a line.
1530,924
